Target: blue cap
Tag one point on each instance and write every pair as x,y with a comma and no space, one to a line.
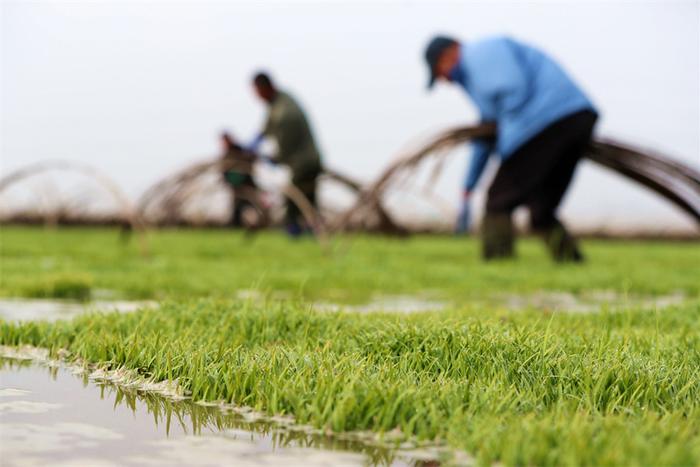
436,46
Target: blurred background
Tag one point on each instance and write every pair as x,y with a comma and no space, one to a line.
140,89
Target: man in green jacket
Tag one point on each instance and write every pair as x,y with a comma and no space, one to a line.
288,126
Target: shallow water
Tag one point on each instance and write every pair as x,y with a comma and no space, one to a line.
387,303
23,309
543,300
585,302
51,416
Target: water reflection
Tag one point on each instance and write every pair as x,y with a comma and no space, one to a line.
85,420
27,309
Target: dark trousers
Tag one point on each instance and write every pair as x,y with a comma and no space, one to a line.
537,176
307,184
239,205
243,194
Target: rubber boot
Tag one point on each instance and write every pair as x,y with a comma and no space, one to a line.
497,237
561,245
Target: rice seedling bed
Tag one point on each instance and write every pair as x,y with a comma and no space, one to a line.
617,387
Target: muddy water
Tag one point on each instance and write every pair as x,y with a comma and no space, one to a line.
49,416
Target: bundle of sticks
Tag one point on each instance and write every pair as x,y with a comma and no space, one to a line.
125,215
678,183
672,180
165,202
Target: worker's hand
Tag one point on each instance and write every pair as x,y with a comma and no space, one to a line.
464,216
254,146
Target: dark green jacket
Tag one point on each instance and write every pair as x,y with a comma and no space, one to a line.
287,124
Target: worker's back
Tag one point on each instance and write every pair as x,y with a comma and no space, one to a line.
288,125
519,87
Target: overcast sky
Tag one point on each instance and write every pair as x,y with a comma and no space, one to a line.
142,88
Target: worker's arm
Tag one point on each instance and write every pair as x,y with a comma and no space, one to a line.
500,87
254,148
464,217
481,150
267,131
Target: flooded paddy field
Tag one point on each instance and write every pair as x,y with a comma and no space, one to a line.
184,264
377,351
544,301
22,309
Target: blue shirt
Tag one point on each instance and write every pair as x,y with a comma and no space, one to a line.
519,88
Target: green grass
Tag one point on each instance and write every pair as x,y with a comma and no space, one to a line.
528,388
217,263
68,286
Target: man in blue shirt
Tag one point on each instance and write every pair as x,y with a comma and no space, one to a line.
544,124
